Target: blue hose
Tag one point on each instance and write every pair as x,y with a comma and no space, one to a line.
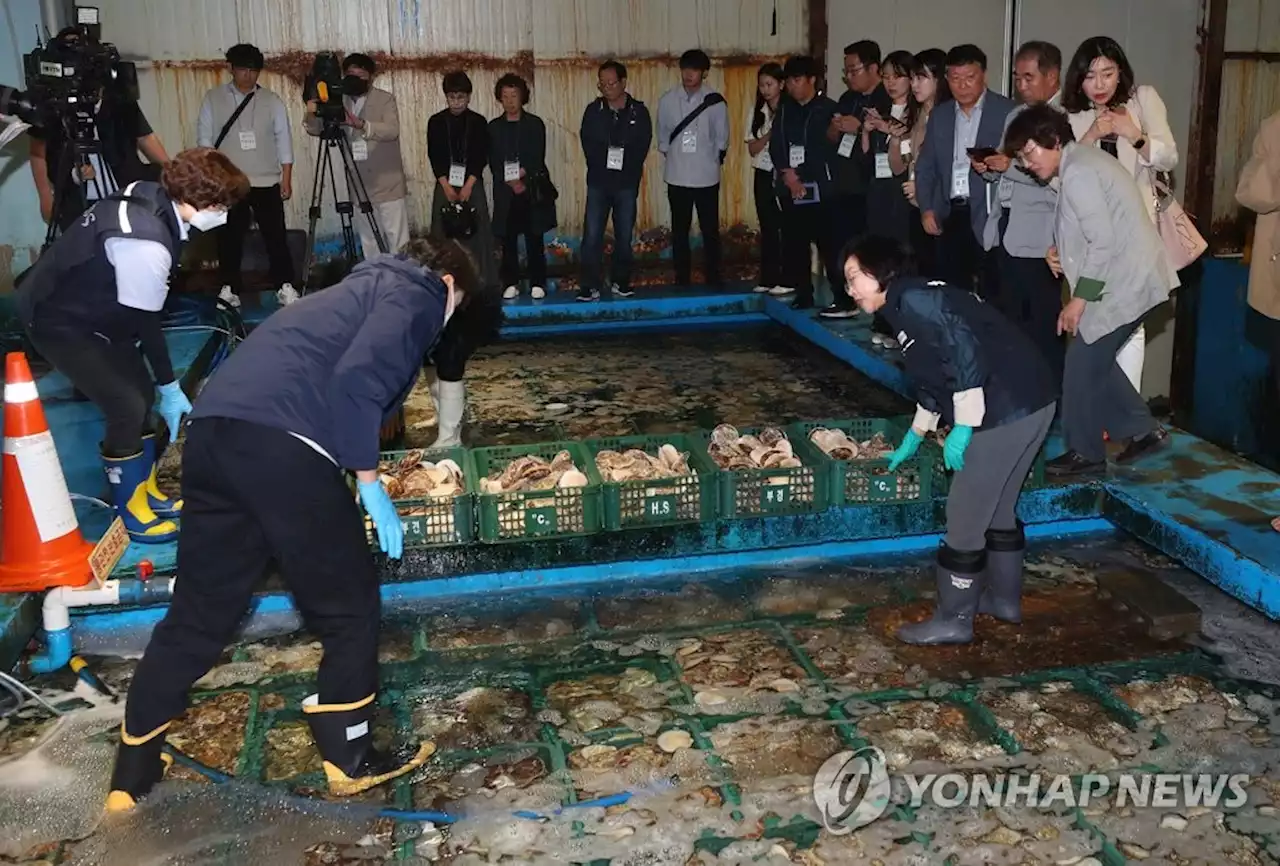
401,815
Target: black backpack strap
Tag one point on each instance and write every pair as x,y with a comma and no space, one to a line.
709,100
226,127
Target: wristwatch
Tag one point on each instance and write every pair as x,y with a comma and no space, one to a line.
1140,143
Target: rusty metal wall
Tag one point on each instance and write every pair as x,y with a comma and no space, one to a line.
557,44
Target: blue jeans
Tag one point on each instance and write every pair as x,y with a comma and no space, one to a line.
600,203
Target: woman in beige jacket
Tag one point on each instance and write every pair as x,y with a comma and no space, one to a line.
1109,110
1259,191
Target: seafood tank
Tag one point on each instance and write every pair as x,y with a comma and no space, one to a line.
681,721
712,703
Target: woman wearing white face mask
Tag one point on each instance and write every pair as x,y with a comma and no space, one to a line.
97,294
274,433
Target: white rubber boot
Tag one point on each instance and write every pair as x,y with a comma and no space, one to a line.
451,402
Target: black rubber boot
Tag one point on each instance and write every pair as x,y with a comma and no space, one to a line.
959,576
140,764
344,736
1002,593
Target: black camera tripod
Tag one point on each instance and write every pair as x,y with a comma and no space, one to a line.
331,137
79,144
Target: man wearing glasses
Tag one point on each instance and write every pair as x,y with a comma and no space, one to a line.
849,206
954,198
616,133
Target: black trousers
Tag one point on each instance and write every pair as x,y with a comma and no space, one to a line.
959,254
924,247
769,214
267,210
519,218
1031,296
115,377
255,494
848,220
804,226
683,199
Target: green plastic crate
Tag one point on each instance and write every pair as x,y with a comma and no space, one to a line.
867,482
436,522
631,504
530,514
767,492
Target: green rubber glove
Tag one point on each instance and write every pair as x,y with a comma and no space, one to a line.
953,449
910,445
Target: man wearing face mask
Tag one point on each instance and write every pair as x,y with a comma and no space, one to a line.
296,407
92,307
373,127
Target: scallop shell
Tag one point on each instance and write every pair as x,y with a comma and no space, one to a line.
725,435
772,436
711,700
670,741
562,462
573,478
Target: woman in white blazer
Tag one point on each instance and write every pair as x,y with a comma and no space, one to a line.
1109,110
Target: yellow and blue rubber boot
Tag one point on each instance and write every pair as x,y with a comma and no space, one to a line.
140,764
128,479
344,738
164,507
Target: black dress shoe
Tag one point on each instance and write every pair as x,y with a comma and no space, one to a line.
1072,463
801,305
1140,446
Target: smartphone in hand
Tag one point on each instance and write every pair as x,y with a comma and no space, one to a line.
981,152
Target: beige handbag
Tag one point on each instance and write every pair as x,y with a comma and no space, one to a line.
1183,243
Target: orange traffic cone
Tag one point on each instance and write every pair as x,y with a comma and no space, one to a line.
40,541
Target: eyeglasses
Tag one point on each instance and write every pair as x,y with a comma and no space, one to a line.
855,70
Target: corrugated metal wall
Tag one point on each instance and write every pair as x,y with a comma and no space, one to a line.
1250,93
557,44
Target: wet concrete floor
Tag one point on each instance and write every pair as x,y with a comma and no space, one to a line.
714,703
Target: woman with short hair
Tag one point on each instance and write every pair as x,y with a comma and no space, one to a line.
92,307
521,208
1116,267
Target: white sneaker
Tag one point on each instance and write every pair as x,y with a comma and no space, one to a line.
229,297
780,291
888,343
287,295
877,339
760,290
511,293
537,293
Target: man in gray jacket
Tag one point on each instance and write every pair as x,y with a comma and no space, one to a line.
1021,228
1114,261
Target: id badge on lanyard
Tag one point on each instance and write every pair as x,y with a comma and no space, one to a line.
883,169
613,160
457,175
511,170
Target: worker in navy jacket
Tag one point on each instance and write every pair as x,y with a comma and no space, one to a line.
292,409
92,307
977,372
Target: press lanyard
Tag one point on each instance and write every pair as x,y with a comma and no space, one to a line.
466,135
613,127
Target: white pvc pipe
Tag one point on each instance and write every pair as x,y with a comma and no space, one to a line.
59,600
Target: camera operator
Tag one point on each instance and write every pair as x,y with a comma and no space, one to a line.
250,125
373,128
121,129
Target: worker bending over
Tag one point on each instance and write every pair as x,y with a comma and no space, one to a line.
97,295
977,371
296,405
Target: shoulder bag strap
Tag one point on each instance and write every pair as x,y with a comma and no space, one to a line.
226,127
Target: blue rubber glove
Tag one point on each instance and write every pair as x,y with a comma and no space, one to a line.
173,405
953,449
910,445
377,503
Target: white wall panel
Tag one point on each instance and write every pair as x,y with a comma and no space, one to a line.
914,25
1253,25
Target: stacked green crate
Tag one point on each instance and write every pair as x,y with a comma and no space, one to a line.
657,502
862,482
440,520
771,491
521,515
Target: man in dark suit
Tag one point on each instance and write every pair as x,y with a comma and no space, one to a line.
954,198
